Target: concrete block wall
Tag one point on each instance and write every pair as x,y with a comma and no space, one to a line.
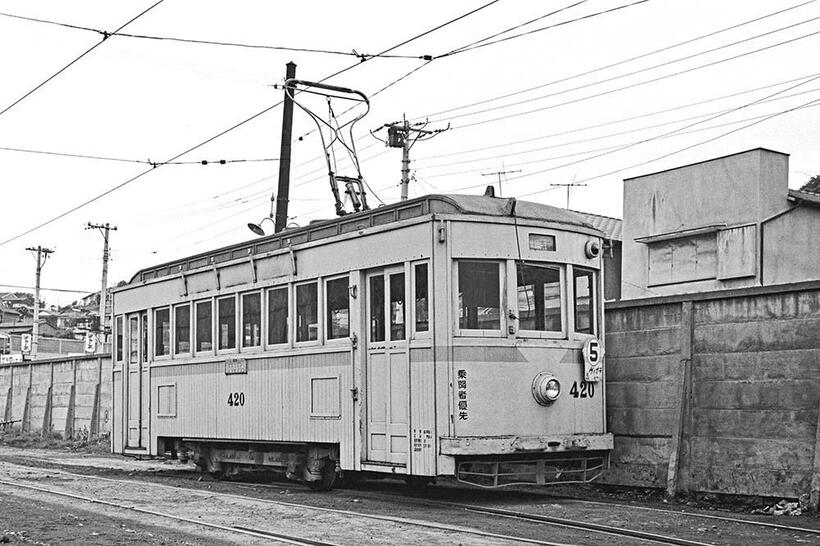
717,391
70,395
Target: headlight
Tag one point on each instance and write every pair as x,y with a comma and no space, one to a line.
545,388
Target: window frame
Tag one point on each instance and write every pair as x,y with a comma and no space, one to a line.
502,301
195,317
424,334
241,322
289,305
235,348
153,339
324,311
541,334
119,339
319,314
174,352
594,299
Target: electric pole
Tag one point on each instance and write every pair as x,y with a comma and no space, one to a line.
284,155
403,134
42,257
103,229
568,185
500,174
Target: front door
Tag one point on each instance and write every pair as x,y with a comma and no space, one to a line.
387,371
136,382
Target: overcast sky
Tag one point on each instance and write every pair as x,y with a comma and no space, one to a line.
603,97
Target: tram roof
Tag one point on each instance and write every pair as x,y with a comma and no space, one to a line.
478,205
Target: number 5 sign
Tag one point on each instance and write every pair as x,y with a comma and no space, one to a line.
593,360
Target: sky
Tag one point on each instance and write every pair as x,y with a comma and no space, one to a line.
585,92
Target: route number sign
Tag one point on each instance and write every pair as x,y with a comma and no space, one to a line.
593,360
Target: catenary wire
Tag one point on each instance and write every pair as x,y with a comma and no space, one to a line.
646,69
235,126
621,62
83,54
140,161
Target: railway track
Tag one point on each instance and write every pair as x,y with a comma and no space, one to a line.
526,517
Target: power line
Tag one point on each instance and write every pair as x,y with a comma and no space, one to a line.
613,122
642,70
589,16
637,84
701,143
609,135
623,61
235,126
66,290
86,52
140,161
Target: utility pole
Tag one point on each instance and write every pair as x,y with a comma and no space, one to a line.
284,155
403,134
500,174
568,185
42,257
103,229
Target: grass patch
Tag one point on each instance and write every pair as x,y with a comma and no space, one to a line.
82,442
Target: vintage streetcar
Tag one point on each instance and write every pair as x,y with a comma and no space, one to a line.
448,335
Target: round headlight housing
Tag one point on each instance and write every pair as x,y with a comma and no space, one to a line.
545,388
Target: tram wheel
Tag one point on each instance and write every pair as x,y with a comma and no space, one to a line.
328,477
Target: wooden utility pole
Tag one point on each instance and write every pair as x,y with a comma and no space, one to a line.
284,154
568,185
103,229
399,135
42,257
500,174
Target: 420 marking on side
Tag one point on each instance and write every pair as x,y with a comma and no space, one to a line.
586,390
236,398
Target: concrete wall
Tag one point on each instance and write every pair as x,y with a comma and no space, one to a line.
747,187
717,391
69,395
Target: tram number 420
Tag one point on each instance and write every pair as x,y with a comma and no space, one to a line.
585,390
236,398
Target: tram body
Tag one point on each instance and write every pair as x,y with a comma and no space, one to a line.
421,339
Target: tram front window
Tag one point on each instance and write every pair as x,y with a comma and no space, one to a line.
162,332
584,286
539,297
307,317
338,308
479,296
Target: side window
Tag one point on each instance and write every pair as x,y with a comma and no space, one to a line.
118,337
539,297
251,320
376,308
133,340
182,329
583,284
338,308
422,298
277,315
226,323
307,316
479,296
204,326
162,332
144,335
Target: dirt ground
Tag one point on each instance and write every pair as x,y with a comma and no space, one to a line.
257,502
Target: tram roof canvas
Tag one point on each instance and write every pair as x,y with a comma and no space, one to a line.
429,205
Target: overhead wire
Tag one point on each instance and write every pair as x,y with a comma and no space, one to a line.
636,72
235,126
621,62
139,161
83,54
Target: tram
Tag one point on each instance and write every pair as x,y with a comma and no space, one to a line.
447,335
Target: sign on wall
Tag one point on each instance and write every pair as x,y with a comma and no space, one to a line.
90,342
25,344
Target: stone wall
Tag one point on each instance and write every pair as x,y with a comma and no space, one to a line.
69,395
716,391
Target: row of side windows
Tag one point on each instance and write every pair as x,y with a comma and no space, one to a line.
228,323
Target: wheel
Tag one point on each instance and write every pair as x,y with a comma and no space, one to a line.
328,477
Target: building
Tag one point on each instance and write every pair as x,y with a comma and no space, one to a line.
728,222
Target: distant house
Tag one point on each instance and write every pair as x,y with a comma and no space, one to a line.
9,299
7,314
728,222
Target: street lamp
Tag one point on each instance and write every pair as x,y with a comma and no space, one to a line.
257,228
